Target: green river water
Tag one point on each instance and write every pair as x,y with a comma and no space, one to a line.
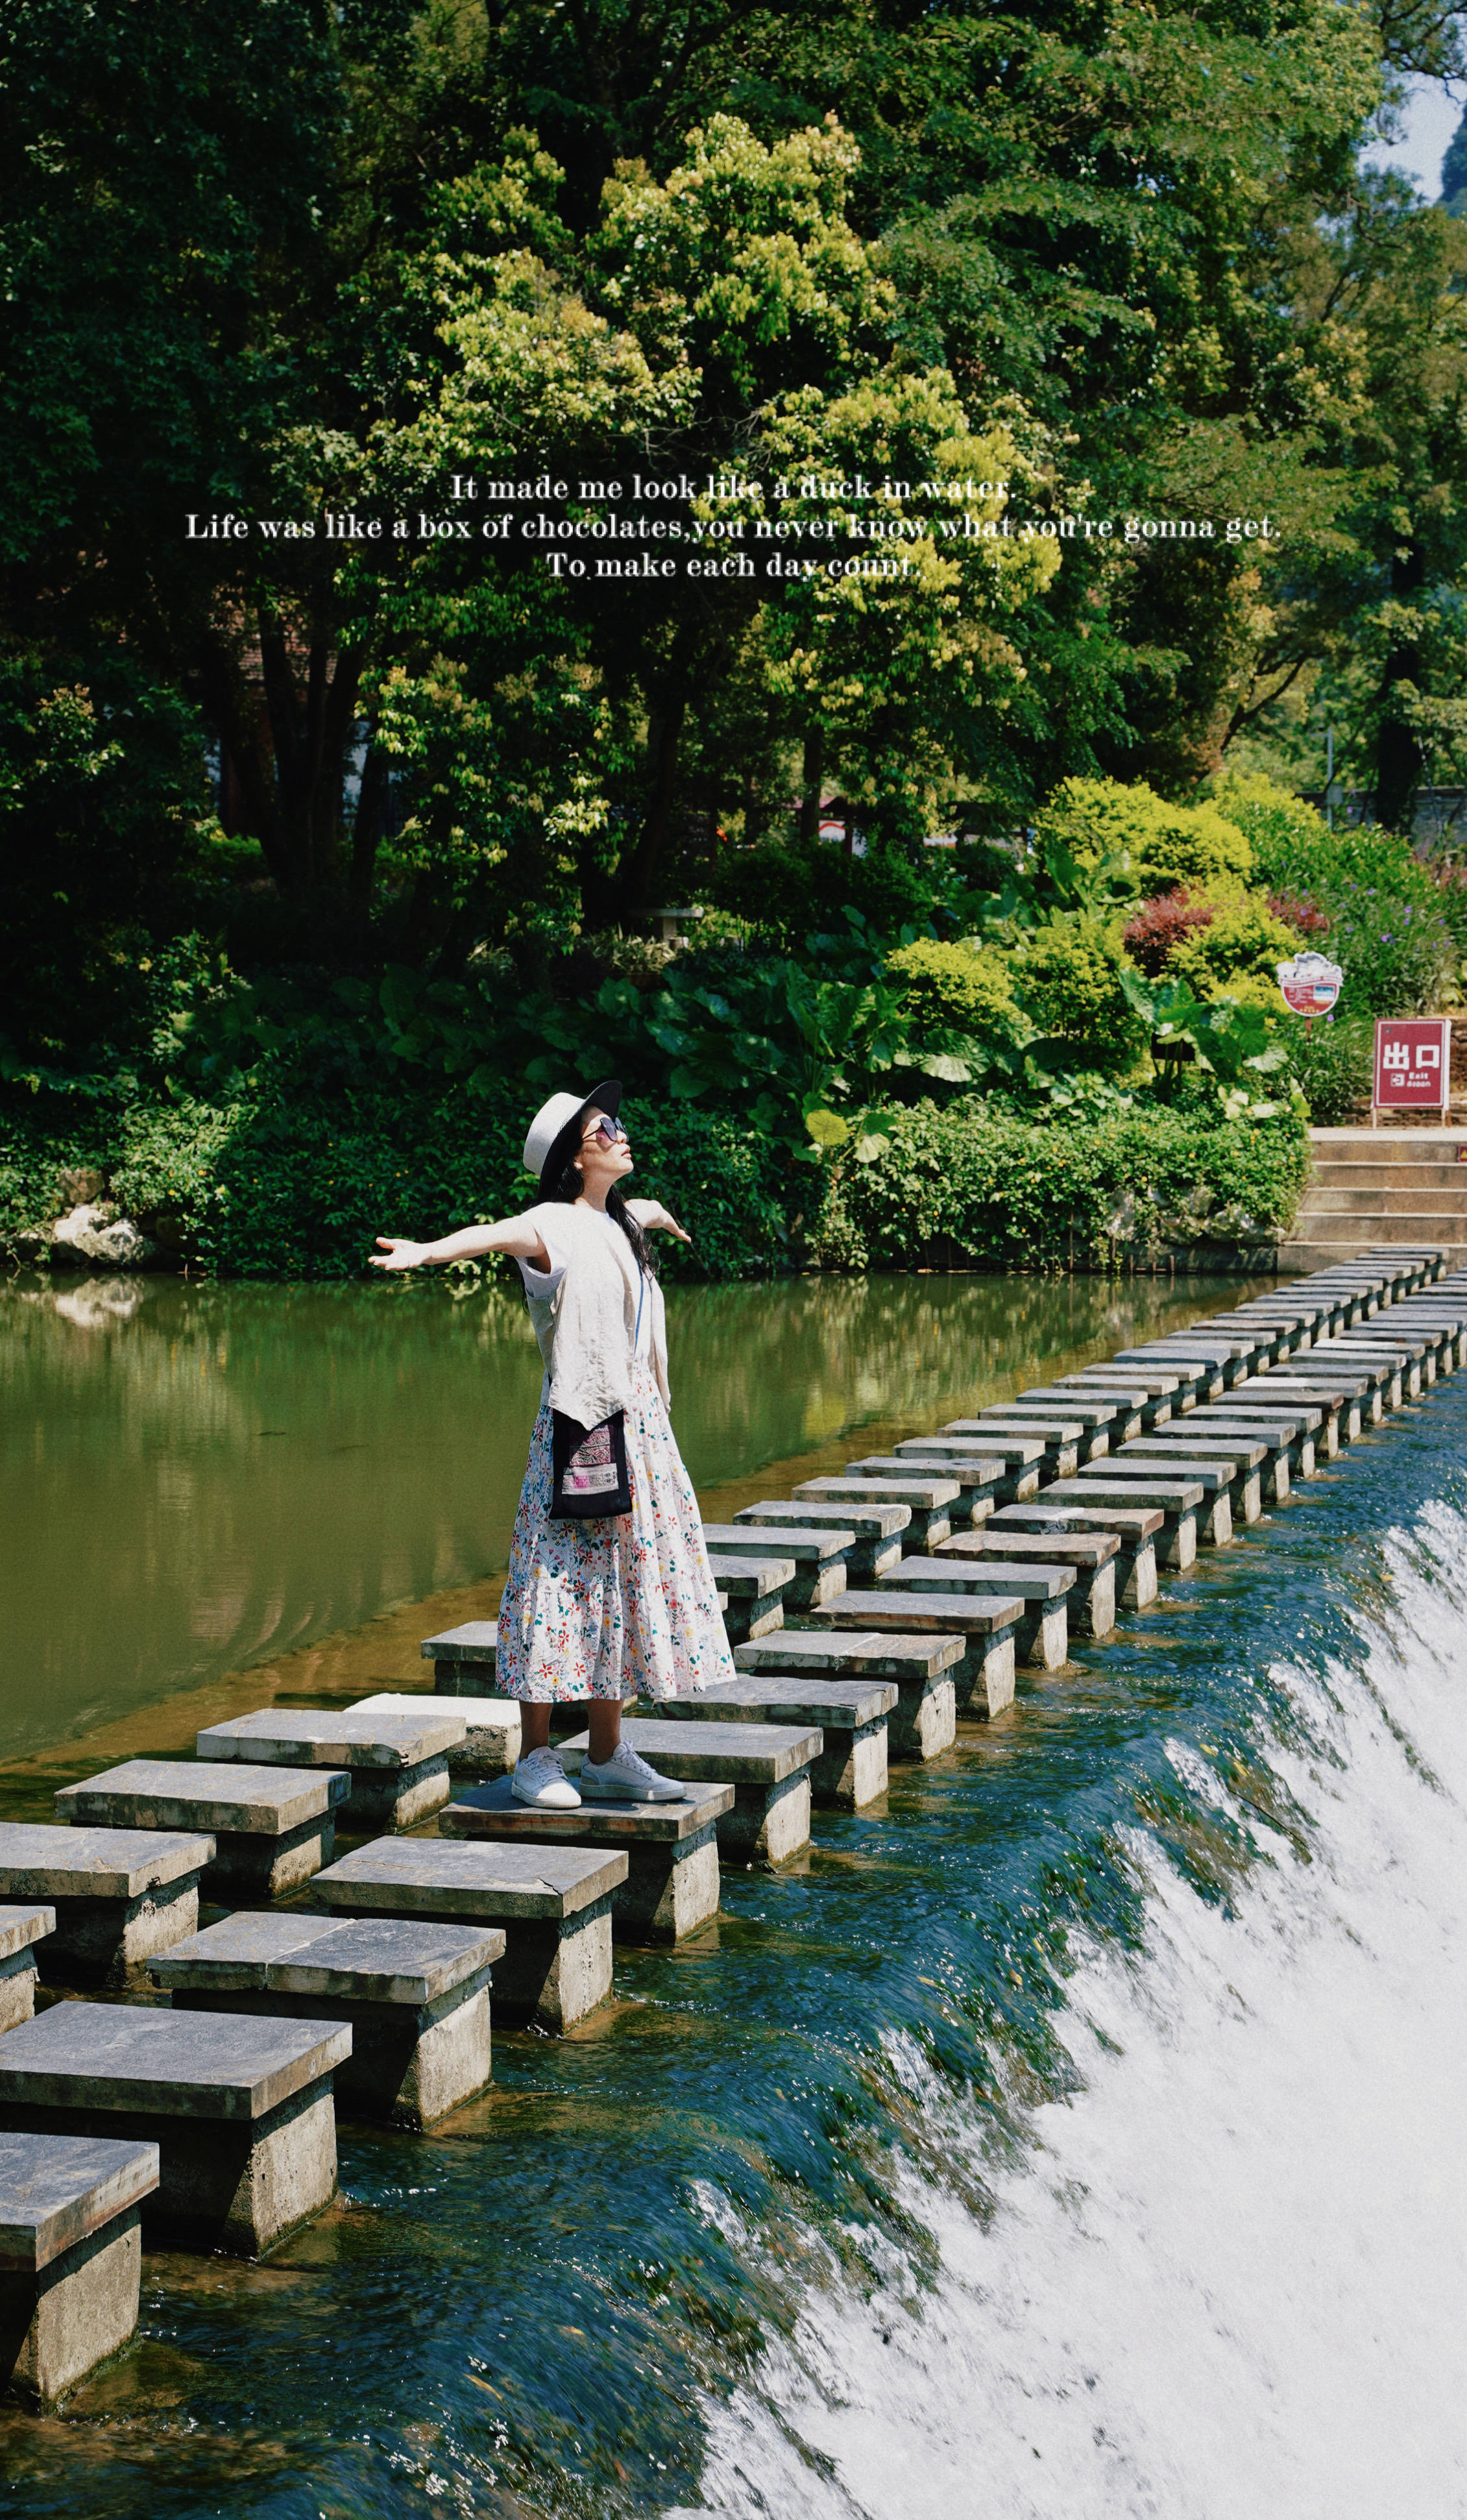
1073,2135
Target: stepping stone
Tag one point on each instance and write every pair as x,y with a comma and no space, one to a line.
490,1746
240,2110
1203,1376
120,1894
1101,1422
754,1590
874,1530
1091,1557
1214,1510
70,2256
20,1929
851,1770
464,1660
1134,1528
983,1681
767,1764
1245,1454
1155,1398
1067,1441
553,1903
1290,1444
1177,1499
672,1884
978,1480
1006,1467
923,1721
929,1502
1345,1397
398,1764
1404,1369
1074,1402
271,1827
414,1996
819,1554
1042,1631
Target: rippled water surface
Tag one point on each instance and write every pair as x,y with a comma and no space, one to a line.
1077,2133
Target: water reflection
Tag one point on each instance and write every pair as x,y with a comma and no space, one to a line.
196,1478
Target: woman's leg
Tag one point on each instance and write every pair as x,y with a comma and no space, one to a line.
606,1726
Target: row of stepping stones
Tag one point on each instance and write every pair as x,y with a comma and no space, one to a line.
869,1612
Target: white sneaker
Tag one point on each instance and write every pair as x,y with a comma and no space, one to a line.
541,1781
626,1778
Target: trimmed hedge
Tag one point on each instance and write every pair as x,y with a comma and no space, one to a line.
300,1190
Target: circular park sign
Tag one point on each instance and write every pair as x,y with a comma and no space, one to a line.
1311,983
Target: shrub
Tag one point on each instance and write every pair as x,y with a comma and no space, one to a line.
1398,954
1243,938
961,1188
963,987
781,884
1068,975
1306,918
1288,837
1333,1063
1168,844
1159,926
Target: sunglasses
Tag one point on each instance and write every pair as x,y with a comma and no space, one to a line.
609,1132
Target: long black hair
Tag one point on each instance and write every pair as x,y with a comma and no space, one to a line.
568,1189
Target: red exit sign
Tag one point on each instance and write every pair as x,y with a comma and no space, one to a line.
1412,1063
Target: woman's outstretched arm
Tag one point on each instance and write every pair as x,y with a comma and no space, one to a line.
653,1217
516,1235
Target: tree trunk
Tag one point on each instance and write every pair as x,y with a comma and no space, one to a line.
812,783
289,756
1398,756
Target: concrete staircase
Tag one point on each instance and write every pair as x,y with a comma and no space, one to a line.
1374,1186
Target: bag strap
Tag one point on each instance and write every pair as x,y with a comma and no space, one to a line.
641,1291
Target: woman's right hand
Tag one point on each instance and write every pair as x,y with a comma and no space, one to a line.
395,1253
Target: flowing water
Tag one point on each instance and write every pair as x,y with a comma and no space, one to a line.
1075,2133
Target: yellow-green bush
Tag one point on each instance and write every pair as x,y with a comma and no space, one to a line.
1245,937
1068,976
1195,845
1286,835
962,985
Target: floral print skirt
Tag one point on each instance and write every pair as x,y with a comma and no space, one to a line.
602,1607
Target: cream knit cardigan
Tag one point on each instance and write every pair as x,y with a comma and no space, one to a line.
587,1327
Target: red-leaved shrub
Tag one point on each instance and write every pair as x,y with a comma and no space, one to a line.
1161,925
1306,918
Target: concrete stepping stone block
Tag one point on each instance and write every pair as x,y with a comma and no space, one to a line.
1002,1468
978,1479
1086,1408
1156,1400
1213,1509
20,1929
1405,1375
1042,1631
240,2110
1177,1499
1203,1378
983,1681
873,1530
922,1724
118,1894
1195,1454
1091,1557
819,1555
1134,1528
464,1660
552,1903
271,1827
490,1746
851,1770
929,1501
672,1884
1344,1397
767,1766
754,1590
398,1764
414,1996
1067,1441
70,2256
1287,1446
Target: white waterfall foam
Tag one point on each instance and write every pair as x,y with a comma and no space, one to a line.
1230,2282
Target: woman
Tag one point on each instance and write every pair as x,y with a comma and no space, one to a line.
592,1604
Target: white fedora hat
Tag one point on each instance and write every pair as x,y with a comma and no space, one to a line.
556,1130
